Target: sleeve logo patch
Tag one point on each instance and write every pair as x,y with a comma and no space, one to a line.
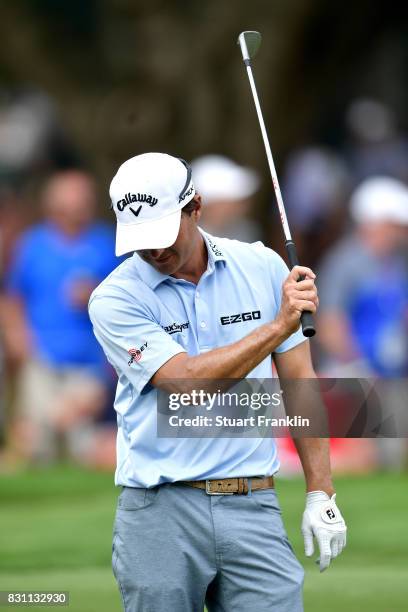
136,354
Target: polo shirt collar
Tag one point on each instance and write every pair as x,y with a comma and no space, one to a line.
153,277
147,273
215,253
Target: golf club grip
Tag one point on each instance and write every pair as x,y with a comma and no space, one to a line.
306,318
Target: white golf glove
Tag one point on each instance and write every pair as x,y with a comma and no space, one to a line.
322,519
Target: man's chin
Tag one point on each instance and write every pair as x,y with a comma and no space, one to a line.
168,267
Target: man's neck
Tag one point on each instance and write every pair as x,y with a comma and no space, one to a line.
68,230
196,265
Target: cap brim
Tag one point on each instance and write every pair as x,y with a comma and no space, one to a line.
156,234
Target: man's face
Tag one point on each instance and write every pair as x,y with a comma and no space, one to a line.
70,200
172,259
384,237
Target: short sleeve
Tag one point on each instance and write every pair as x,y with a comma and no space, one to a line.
133,341
278,272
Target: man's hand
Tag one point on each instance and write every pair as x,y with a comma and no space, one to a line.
323,520
297,296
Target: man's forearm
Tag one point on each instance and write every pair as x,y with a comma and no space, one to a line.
302,397
238,359
233,361
314,454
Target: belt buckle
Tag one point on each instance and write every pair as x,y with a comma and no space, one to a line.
209,492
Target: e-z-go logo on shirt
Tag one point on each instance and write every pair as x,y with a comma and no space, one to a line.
254,315
174,328
136,354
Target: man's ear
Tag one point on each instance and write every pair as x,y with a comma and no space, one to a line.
198,203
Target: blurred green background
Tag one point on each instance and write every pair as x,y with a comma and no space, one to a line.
57,523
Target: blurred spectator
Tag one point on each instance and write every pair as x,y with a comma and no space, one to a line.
15,215
227,190
316,184
31,137
32,144
363,286
315,188
2,385
62,372
375,146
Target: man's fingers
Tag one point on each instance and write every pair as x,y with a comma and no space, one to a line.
310,295
324,562
308,541
341,541
306,284
302,305
335,547
325,551
299,271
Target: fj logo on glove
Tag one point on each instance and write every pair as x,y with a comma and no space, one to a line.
329,514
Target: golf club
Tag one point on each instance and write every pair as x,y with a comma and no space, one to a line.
250,43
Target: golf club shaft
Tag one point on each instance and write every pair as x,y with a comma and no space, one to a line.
269,157
306,317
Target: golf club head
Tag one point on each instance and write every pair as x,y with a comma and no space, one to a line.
249,42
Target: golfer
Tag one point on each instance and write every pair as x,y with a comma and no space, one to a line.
198,521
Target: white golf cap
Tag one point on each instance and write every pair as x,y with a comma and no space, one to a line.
378,199
219,178
147,193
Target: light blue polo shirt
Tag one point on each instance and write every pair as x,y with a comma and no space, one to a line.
138,309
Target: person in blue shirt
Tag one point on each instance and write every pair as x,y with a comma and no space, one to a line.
198,520
62,370
363,284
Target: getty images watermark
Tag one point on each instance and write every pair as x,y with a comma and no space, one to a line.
220,400
323,407
225,408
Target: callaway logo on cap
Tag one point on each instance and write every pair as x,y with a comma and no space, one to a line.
147,193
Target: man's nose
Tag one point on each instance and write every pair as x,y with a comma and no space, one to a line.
156,253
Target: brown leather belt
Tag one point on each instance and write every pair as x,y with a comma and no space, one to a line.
231,486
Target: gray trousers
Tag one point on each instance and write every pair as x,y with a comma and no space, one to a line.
176,548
